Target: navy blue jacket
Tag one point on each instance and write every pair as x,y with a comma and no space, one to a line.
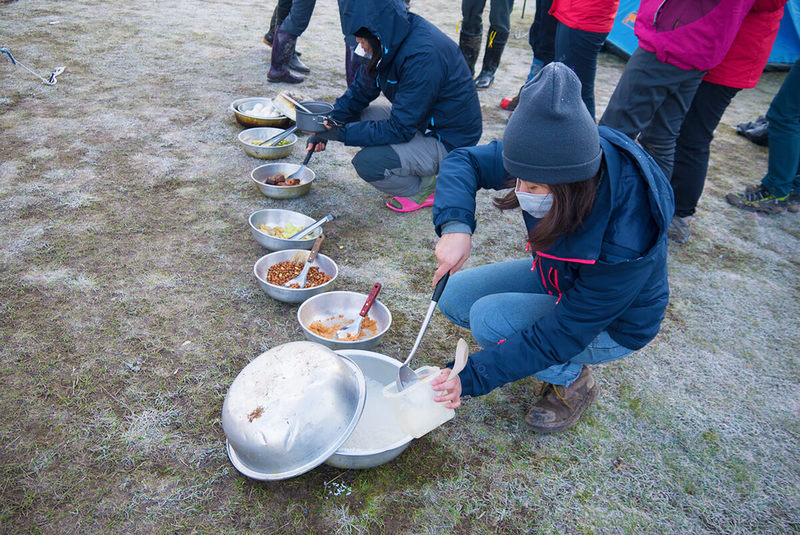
610,274
422,73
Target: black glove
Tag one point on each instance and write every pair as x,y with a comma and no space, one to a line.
328,135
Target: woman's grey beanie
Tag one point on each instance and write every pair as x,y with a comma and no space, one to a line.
551,138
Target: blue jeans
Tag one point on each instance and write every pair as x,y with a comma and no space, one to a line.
496,301
783,171
578,50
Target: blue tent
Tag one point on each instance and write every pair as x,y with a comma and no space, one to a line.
786,50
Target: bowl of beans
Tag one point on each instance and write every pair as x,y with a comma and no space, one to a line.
274,269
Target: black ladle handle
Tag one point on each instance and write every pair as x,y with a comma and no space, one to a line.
437,293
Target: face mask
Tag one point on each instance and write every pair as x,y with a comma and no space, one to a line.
536,204
359,51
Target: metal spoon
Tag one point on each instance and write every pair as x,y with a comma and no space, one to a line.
300,280
277,138
405,375
297,105
352,330
312,227
300,169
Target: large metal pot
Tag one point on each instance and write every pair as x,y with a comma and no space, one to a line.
382,369
311,123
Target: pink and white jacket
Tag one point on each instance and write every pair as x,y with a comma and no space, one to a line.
690,34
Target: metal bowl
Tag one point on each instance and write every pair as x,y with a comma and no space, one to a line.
293,295
382,369
242,106
328,307
249,137
282,192
290,409
276,217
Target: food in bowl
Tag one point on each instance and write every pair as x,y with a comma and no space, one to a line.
280,143
284,271
279,179
262,110
328,327
285,232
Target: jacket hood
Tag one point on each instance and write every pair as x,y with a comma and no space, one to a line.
588,241
387,19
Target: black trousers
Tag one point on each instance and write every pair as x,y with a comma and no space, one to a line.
693,145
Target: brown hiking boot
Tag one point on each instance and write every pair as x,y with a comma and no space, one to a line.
560,407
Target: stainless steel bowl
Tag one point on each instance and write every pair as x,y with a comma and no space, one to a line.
249,137
384,370
328,307
290,409
282,192
242,106
293,295
276,217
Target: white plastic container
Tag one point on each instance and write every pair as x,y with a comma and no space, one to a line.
416,411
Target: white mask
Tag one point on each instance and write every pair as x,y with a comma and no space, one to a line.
536,204
359,51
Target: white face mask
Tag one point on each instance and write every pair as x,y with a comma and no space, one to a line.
359,51
536,204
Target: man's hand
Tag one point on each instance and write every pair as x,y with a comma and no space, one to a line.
451,252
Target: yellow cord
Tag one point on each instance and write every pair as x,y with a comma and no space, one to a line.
492,34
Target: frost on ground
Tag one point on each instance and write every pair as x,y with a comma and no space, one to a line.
124,199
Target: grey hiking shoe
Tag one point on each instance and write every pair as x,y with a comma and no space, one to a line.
679,230
757,198
560,407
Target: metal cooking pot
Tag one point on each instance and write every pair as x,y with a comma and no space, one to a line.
311,123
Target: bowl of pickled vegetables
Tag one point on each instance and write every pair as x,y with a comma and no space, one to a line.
249,140
273,227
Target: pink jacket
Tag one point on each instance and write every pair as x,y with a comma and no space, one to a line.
690,34
748,55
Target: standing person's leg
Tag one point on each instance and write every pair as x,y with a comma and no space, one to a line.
775,191
469,39
499,27
283,45
542,36
281,11
691,153
784,135
578,50
651,99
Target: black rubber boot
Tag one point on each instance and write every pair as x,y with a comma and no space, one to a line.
470,45
278,14
491,59
282,52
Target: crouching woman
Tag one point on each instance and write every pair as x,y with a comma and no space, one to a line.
596,208
433,105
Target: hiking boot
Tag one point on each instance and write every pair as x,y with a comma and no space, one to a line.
560,407
470,45
757,198
679,230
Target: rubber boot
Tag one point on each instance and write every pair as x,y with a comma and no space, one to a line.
282,51
278,15
491,59
470,45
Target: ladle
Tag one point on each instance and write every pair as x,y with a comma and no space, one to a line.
405,375
300,280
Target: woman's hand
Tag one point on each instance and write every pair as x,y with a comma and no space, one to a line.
451,252
451,385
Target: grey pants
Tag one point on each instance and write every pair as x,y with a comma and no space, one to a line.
397,169
651,101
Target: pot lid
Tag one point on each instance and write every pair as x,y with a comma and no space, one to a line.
290,409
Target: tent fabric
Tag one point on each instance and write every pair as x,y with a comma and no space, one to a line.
622,41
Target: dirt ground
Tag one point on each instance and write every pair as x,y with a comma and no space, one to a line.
128,305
